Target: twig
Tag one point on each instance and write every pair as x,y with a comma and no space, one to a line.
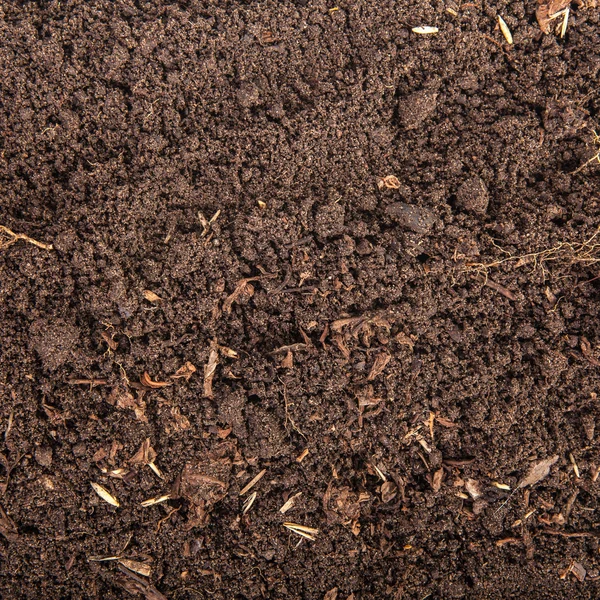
21,236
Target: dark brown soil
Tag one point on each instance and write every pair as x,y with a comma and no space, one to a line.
345,326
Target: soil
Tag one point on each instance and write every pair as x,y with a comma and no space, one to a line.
366,255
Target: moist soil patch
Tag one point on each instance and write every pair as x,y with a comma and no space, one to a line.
299,246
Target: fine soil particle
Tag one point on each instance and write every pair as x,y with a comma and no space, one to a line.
295,250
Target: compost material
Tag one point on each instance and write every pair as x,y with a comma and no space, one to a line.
299,300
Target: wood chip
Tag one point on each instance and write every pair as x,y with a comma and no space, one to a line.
104,494
505,30
253,482
425,30
302,455
579,571
309,533
538,472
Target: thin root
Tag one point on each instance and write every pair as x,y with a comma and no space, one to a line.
15,237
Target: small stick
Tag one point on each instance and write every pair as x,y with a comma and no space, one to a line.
21,236
252,483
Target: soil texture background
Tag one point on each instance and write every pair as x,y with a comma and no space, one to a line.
299,246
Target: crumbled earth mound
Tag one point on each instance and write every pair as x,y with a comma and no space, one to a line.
293,263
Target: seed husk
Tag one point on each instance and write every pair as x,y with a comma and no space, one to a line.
104,494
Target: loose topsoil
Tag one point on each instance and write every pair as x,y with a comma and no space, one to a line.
298,238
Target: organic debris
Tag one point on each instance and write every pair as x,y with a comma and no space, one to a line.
310,533
122,398
248,503
15,237
204,483
152,297
537,472
381,361
146,456
104,494
505,30
184,372
291,501
389,181
7,527
153,385
253,482
156,500
425,30
548,10
209,370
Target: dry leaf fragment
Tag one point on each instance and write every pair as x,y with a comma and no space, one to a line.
144,455
154,385
243,288
548,10
388,491
124,399
151,296
473,488
104,494
186,371
381,361
209,371
538,472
